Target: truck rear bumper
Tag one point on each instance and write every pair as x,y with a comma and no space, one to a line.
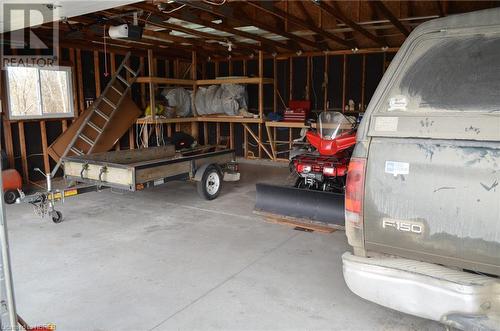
456,298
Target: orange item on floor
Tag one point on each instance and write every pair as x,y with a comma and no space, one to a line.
12,180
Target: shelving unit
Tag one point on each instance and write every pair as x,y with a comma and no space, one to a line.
152,80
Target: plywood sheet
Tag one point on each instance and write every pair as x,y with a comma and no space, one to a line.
124,117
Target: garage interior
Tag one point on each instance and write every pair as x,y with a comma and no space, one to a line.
164,258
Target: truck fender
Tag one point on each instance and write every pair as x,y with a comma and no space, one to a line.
201,170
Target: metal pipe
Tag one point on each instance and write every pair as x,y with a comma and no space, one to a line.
7,272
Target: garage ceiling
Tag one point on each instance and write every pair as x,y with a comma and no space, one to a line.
56,9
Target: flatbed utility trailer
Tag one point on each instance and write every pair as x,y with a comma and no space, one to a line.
137,169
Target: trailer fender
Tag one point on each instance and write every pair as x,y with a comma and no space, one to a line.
201,170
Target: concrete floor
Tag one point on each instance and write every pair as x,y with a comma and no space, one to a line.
164,259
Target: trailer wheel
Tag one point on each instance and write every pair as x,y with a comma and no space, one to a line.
56,216
210,184
10,196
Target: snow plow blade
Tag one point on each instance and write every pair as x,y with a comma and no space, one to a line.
312,205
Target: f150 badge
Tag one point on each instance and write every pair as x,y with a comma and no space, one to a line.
403,226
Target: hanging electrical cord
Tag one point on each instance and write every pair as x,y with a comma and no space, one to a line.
173,10
215,3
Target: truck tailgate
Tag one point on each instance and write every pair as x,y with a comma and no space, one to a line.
434,200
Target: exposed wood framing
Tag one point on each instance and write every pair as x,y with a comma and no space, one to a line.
97,75
229,13
335,11
269,8
9,146
325,80
79,76
344,81
390,16
24,156
43,133
258,140
363,83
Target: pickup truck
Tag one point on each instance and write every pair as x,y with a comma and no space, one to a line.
422,205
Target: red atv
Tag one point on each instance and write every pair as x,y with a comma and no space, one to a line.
324,167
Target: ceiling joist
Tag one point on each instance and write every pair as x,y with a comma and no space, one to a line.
228,12
268,7
390,16
335,11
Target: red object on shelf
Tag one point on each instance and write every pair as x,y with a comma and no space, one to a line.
297,111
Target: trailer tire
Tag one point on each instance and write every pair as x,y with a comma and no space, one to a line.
56,216
10,196
210,185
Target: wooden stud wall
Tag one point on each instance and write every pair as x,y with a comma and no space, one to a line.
266,145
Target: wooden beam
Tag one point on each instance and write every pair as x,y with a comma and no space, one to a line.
363,84
217,133
259,142
9,145
271,138
268,7
195,18
24,156
390,16
131,138
150,36
275,86
43,134
310,21
344,81
442,7
152,73
308,78
261,84
205,133
97,75
245,143
325,96
194,64
290,80
335,11
79,76
73,79
143,87
230,13
231,135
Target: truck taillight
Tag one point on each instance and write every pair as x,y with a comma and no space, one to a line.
355,189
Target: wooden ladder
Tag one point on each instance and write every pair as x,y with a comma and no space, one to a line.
101,112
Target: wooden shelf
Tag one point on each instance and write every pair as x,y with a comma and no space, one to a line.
150,120
164,80
229,119
235,80
219,119
175,81
282,124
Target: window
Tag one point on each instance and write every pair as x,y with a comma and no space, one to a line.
457,73
39,93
